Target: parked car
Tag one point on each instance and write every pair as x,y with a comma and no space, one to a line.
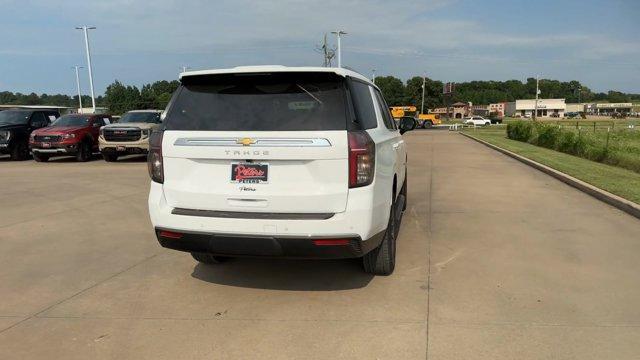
70,135
277,163
130,135
477,121
16,127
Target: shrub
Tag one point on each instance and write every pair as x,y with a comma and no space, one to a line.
548,135
566,142
623,148
520,130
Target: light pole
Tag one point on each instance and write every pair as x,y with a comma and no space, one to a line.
78,87
535,111
339,34
424,82
373,79
86,29
185,68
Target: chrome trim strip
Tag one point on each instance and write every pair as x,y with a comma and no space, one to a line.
51,151
252,215
259,142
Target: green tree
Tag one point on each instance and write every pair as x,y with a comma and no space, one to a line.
392,89
120,98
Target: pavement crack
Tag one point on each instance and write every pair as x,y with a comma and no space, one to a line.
428,233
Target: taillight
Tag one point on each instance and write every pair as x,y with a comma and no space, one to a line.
331,242
362,159
154,159
170,234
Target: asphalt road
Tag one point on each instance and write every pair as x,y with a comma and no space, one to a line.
495,261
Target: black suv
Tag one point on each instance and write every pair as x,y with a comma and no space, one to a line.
16,127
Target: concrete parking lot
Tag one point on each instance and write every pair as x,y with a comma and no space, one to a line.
495,261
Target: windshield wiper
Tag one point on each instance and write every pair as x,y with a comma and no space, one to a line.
310,94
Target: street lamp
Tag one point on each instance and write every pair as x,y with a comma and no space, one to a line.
424,83
78,87
86,44
373,80
339,33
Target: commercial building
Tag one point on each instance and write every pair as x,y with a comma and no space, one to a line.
609,108
481,110
546,108
498,108
576,108
457,110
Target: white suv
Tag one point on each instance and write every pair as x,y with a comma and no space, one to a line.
298,162
477,121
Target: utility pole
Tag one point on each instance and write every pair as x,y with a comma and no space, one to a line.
78,88
535,112
324,50
327,52
86,44
339,34
424,82
579,94
373,78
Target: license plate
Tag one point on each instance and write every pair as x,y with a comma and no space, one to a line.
46,145
120,148
249,173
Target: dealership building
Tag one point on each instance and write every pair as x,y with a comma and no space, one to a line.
546,108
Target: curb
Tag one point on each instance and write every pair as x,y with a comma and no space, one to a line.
616,201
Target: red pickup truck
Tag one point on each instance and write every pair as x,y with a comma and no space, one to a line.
70,135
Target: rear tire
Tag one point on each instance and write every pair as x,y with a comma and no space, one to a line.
20,151
404,191
208,258
427,125
110,157
382,260
84,151
40,158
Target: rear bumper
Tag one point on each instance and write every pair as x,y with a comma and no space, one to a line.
266,246
361,223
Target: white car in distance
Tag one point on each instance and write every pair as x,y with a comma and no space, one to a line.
477,121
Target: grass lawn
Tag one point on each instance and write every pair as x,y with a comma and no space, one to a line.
622,182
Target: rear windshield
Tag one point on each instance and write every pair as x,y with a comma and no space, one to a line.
69,120
9,117
140,117
260,102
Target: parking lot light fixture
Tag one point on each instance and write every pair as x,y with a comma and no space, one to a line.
86,29
339,34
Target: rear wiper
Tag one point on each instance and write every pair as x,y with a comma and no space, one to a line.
310,94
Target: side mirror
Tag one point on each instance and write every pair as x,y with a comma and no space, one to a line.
96,125
407,124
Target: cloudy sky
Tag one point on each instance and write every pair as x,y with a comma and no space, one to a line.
593,41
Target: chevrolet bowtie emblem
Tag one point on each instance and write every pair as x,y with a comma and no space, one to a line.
245,141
